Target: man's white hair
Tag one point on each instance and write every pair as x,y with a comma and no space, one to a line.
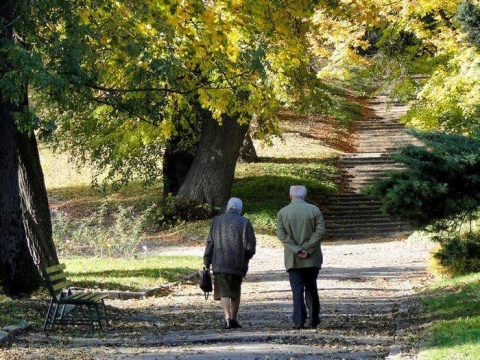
298,191
235,204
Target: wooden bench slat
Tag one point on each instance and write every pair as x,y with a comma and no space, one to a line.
84,297
90,297
55,268
61,285
57,277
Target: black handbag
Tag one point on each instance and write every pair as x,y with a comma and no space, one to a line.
206,282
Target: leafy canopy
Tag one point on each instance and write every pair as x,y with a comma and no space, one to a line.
128,75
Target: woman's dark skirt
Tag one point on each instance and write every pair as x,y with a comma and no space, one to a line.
227,285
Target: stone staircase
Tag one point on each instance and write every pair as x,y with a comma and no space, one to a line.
350,214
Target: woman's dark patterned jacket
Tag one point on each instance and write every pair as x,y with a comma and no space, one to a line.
230,244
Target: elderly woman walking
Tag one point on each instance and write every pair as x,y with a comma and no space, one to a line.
230,246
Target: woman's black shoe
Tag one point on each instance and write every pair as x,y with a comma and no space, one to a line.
228,324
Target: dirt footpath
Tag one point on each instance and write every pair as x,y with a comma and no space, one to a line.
364,291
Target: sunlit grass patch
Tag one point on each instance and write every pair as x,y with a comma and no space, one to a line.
70,188
455,339
456,304
59,171
145,272
264,187
85,199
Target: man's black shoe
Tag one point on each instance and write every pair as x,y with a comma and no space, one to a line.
315,325
234,324
298,327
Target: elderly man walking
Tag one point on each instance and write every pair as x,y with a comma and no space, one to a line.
301,227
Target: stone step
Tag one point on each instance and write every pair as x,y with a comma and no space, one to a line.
347,163
366,180
359,218
353,201
353,207
362,149
364,170
366,225
367,159
381,127
367,234
375,143
381,146
350,197
352,215
351,226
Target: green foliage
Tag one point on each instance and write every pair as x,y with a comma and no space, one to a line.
126,76
459,254
173,211
117,235
422,53
468,14
440,182
453,304
344,111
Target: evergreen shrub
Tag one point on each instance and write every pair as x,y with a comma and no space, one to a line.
438,191
468,15
459,254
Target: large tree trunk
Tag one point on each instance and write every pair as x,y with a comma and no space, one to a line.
18,272
212,172
34,200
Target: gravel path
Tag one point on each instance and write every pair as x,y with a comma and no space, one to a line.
363,288
367,290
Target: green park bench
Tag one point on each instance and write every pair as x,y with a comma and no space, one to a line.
68,307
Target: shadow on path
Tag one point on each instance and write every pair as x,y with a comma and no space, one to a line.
360,295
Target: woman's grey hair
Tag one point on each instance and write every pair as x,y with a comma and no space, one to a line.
298,191
235,205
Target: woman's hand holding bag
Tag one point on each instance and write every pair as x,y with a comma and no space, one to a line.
206,282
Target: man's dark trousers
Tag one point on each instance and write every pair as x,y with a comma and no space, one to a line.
304,280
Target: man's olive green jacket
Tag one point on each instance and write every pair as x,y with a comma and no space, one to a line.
300,226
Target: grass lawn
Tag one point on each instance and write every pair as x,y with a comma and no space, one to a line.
453,306
130,275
